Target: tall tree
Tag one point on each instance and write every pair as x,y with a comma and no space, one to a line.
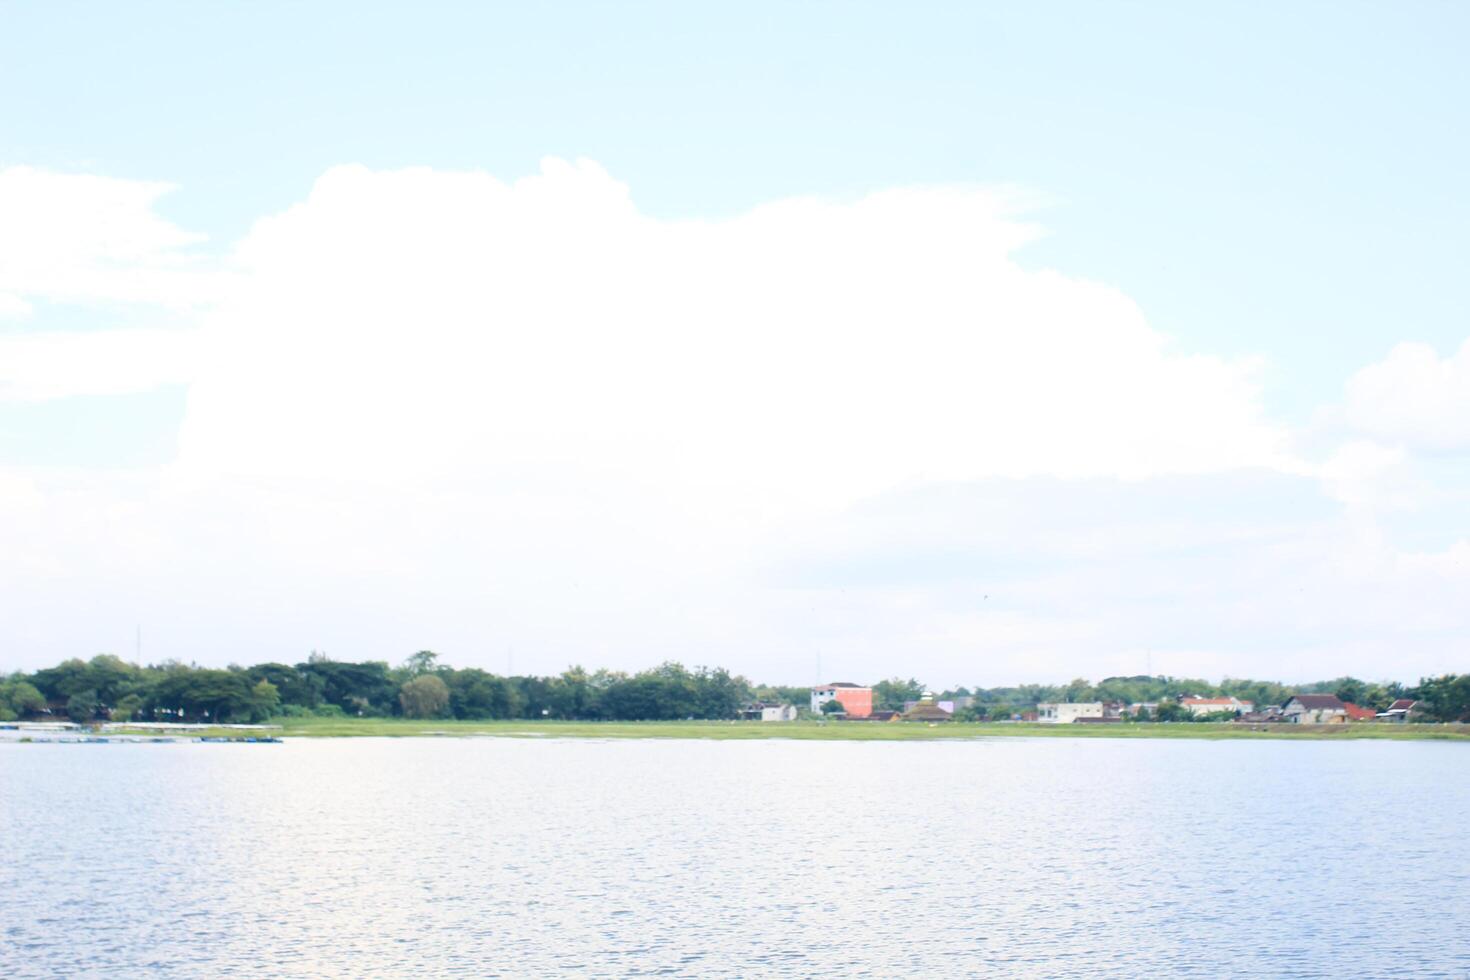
890,695
265,700
424,697
418,664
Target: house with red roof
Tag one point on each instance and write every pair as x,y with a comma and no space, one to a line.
1356,713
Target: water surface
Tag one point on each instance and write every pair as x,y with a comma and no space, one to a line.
483,857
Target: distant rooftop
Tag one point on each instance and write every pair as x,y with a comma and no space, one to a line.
1318,701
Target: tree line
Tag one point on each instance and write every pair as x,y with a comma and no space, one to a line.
1445,698
107,687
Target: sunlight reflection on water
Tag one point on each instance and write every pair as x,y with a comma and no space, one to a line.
479,857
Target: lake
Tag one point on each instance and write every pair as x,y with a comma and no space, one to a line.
498,857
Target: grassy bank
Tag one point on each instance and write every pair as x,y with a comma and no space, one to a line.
844,731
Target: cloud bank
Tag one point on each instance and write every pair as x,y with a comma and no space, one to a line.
524,420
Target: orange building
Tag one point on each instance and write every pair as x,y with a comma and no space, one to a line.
856,701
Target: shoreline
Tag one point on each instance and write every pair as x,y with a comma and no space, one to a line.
844,731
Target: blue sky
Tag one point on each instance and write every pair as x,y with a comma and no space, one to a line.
1279,182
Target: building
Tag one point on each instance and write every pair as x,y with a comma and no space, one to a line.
927,709
1400,711
855,700
768,711
1356,713
1066,712
1212,706
1269,714
948,706
878,716
1314,709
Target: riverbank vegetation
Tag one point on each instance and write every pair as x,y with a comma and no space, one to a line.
322,691
841,731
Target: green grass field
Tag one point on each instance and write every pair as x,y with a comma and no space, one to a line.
840,731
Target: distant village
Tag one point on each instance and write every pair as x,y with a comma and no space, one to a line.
107,689
843,701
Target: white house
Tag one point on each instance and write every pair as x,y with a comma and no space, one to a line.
1066,712
768,711
1315,709
1210,706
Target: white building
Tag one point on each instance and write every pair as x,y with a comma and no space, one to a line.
1210,706
856,700
768,711
1064,713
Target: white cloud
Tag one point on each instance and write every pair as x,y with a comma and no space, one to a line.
815,350
437,409
39,366
1414,398
1364,473
81,238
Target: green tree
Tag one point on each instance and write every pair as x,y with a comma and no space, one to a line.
1350,689
1079,690
366,687
293,686
424,697
111,677
203,694
62,681
127,706
890,695
420,663
81,707
573,695
1171,711
718,693
475,694
833,707
1445,698
22,698
265,701
1380,695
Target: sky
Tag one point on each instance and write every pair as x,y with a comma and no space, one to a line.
977,343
